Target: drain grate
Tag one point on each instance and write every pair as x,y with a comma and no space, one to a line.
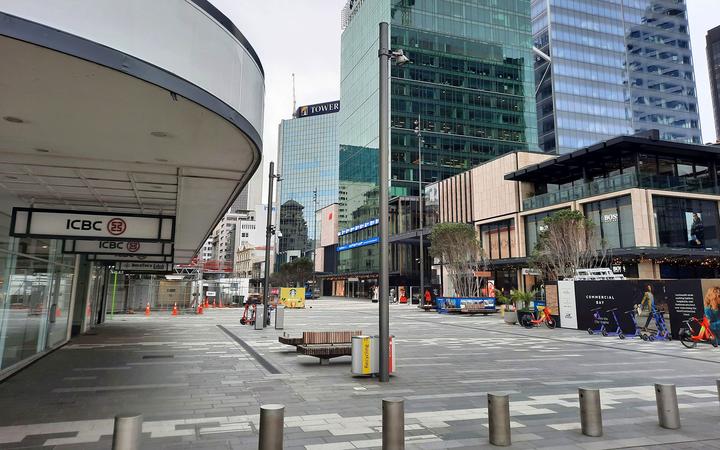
157,356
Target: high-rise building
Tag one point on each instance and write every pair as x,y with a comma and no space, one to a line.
713,55
613,67
470,86
308,165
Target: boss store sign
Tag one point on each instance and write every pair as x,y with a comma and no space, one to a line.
58,224
118,247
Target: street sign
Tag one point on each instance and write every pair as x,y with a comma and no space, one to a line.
130,258
210,293
118,247
90,225
143,267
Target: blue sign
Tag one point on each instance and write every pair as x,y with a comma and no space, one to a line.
457,303
359,227
373,240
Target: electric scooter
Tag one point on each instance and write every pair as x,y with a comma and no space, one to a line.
662,333
597,320
618,331
637,330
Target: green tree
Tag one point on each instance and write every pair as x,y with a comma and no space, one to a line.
293,274
458,249
568,241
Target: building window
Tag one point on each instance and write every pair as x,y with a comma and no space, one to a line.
534,225
614,220
497,239
686,222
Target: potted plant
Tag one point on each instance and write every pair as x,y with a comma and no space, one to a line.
521,301
507,308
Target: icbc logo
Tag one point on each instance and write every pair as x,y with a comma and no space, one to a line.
116,226
133,246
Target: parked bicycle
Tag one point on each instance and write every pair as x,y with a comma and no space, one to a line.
689,337
530,321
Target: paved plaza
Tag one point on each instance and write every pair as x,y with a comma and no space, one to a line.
199,381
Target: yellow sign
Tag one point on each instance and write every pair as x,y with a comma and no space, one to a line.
292,297
366,355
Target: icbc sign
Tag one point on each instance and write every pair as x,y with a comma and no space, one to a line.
133,246
116,226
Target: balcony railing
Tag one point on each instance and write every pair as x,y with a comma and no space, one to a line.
617,183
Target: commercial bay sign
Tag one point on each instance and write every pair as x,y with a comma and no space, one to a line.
90,225
118,247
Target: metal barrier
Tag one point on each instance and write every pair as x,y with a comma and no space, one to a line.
279,317
393,424
590,412
127,431
272,419
499,419
667,406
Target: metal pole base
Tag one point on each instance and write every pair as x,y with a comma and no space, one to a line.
590,412
393,424
667,406
272,419
499,419
127,431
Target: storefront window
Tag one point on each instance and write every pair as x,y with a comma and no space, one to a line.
614,220
498,238
534,225
686,223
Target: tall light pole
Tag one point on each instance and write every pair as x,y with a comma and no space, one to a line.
421,213
269,232
315,246
385,55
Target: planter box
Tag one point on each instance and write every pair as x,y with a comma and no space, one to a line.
510,317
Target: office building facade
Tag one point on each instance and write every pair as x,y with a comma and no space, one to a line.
308,165
713,56
613,67
469,90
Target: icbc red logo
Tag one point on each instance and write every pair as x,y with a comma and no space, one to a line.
116,226
133,246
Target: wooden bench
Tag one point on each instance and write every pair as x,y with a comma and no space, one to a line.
288,340
327,344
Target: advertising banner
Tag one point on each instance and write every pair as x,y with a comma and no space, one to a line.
118,247
677,299
292,297
567,309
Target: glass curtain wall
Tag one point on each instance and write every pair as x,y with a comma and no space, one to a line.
35,297
686,223
614,221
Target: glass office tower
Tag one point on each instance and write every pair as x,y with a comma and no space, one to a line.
713,54
308,165
615,67
470,85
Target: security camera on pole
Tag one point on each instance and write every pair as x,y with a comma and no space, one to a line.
385,55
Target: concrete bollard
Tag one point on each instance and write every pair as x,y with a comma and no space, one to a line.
667,406
499,419
393,424
127,431
590,413
272,421
718,388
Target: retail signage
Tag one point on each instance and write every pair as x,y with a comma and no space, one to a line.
210,293
359,227
130,258
143,267
357,244
318,109
118,247
90,225
566,304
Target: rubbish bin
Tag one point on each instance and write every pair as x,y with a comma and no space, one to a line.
279,317
259,317
366,355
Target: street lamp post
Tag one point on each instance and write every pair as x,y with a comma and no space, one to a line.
315,246
421,213
385,55
269,232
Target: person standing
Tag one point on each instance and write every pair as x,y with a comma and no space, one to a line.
712,311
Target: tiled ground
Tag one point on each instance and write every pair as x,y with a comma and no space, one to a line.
198,388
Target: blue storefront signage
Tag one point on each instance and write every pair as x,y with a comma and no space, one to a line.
364,242
359,227
442,304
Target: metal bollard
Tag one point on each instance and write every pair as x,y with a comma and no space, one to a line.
590,413
272,420
393,424
667,406
499,419
279,317
718,387
127,430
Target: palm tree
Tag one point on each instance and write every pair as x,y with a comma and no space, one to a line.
523,298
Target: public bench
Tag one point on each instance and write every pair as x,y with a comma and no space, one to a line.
327,344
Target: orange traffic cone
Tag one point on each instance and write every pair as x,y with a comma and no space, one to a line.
175,313
147,309
58,313
200,309
221,305
207,303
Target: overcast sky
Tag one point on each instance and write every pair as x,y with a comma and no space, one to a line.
303,36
